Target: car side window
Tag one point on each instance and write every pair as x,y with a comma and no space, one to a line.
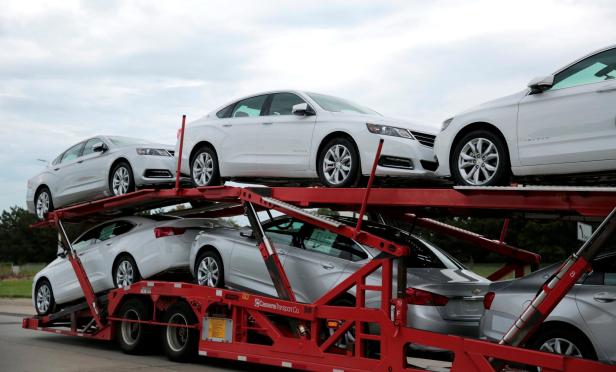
282,103
72,153
421,257
114,229
596,68
90,145
331,244
603,271
283,232
226,112
87,239
249,107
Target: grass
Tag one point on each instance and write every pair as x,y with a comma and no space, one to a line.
25,271
485,269
16,288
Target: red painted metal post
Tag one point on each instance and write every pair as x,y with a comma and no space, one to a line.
504,230
177,172
364,203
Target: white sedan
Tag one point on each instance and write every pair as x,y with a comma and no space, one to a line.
563,123
302,135
98,167
118,253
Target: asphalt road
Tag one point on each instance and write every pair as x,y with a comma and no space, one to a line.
26,350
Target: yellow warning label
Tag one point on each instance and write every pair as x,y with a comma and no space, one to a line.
218,328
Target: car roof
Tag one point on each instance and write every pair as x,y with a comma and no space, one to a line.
584,57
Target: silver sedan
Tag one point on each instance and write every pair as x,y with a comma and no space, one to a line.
583,323
99,167
442,295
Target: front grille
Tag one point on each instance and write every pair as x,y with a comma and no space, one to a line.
429,165
157,173
424,138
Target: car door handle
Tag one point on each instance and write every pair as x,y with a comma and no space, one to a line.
281,252
604,297
109,244
227,125
328,266
56,169
268,123
80,161
606,89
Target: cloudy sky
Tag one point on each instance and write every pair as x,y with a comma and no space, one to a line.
73,69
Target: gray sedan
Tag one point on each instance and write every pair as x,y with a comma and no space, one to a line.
443,296
98,167
582,325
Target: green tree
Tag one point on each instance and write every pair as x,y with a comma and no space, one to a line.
20,243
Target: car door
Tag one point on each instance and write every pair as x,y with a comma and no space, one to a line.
92,172
596,300
575,120
248,270
66,174
240,145
316,261
286,138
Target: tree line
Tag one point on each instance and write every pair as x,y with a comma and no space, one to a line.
552,239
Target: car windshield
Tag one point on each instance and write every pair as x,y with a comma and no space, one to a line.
127,141
335,104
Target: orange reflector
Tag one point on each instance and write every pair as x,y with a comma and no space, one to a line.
333,324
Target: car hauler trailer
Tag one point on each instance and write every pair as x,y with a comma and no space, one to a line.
222,323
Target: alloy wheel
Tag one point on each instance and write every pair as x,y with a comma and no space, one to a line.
43,298
42,204
125,274
207,272
478,161
120,181
337,164
561,346
203,169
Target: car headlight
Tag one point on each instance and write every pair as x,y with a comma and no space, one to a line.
386,130
155,152
446,124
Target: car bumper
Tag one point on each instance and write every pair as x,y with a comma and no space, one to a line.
154,170
400,157
494,325
442,148
30,201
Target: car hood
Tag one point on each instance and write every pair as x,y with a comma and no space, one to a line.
512,99
388,120
448,282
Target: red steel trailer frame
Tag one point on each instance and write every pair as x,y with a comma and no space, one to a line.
270,318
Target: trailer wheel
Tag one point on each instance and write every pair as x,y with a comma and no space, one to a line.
134,337
180,343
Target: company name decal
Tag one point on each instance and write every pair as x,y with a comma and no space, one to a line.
276,306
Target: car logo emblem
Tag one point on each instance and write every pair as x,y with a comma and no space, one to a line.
476,291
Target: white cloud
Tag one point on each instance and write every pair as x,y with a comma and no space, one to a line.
72,69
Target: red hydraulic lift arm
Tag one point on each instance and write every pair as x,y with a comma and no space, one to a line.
557,286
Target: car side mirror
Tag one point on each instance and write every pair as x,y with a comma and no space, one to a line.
101,147
541,84
61,253
302,109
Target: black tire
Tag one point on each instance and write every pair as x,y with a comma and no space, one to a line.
203,155
180,344
120,265
502,173
48,303
134,338
354,174
50,208
210,257
568,334
127,185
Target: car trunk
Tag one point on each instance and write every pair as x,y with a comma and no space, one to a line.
463,288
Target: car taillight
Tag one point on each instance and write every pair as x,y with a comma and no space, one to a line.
416,296
160,232
487,300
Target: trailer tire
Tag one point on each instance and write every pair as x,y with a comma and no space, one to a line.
180,344
134,338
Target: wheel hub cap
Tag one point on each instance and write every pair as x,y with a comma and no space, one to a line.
121,181
478,161
42,205
125,274
203,169
561,346
337,164
43,298
207,273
